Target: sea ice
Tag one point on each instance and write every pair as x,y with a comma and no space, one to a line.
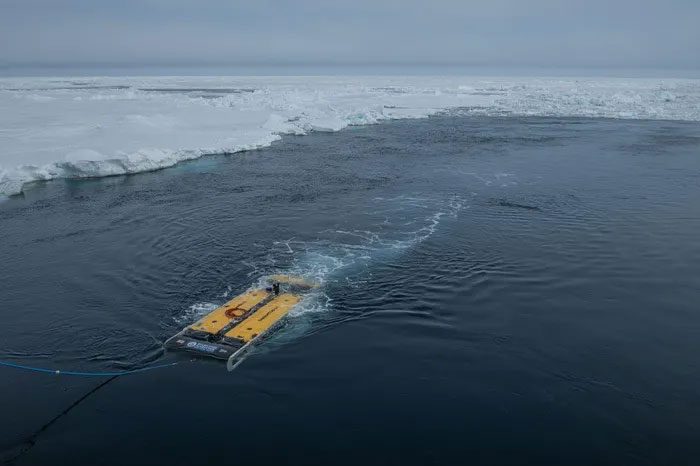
58,127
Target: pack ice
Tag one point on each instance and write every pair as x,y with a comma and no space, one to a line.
91,127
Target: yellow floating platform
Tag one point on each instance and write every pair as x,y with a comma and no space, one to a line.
228,330
264,318
214,322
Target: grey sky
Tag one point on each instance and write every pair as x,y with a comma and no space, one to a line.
580,33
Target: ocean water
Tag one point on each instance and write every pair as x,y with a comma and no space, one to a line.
500,290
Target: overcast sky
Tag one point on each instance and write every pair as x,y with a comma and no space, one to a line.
553,33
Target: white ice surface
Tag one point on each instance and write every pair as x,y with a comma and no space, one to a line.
85,127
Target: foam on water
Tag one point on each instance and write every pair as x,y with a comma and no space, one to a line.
62,128
194,312
340,256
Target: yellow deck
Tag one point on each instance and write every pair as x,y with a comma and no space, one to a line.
237,307
264,318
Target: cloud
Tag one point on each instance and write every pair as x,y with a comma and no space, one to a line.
624,33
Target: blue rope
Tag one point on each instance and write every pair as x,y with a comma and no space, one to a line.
84,374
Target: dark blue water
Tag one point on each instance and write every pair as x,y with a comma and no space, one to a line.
495,291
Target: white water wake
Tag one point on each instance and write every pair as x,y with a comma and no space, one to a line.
342,255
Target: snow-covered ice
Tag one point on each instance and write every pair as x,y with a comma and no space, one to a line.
87,127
